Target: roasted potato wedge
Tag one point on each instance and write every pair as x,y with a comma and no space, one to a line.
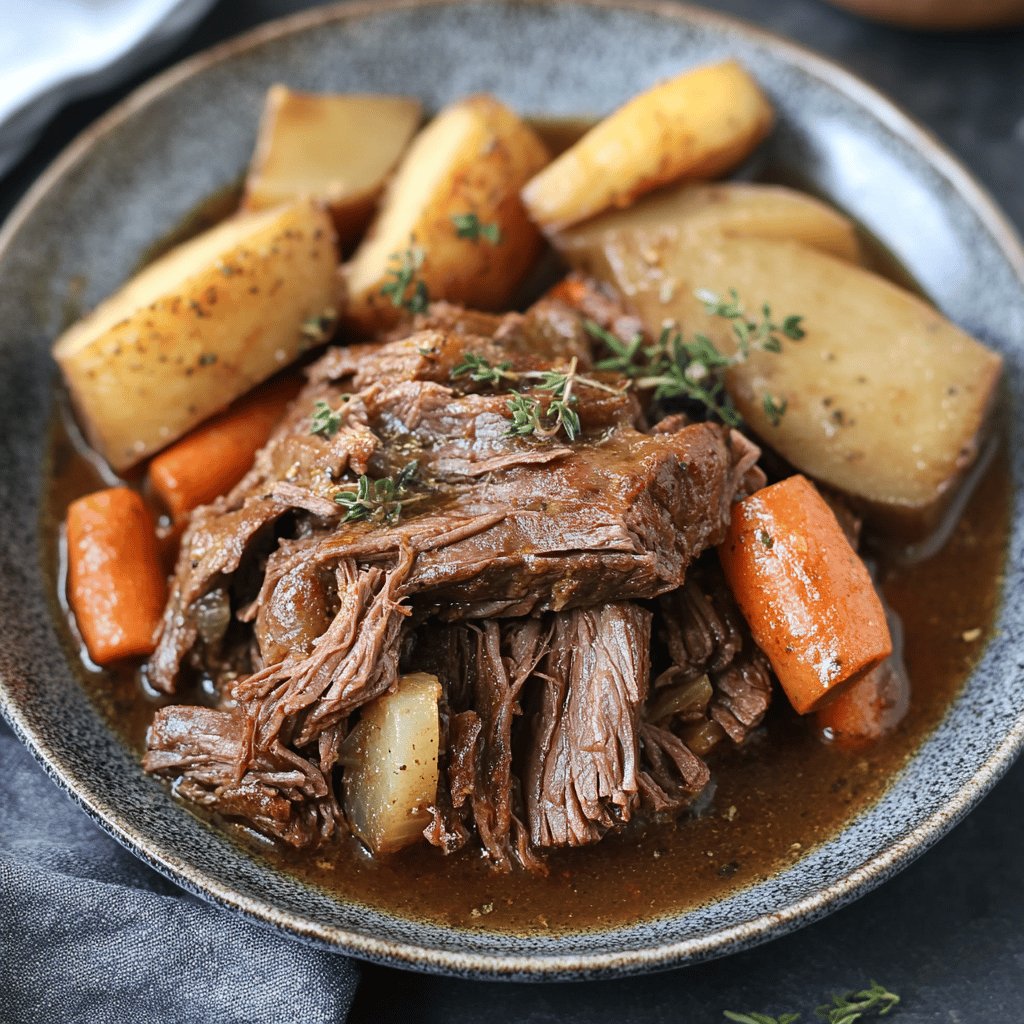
886,399
452,225
336,148
734,209
390,759
696,126
199,327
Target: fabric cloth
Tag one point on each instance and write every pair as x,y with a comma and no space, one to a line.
90,934
53,51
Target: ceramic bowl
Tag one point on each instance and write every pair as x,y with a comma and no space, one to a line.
136,173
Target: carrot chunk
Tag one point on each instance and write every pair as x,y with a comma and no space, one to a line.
868,708
803,590
116,584
571,290
210,460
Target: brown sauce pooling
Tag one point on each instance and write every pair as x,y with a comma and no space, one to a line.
773,801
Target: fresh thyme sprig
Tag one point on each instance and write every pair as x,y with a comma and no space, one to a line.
525,416
477,368
529,417
406,291
325,421
853,1006
560,411
380,500
674,368
671,368
751,334
875,1001
469,226
529,421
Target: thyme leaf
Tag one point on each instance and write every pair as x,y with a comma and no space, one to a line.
529,421
853,1006
325,422
525,415
673,367
469,226
380,500
624,353
774,409
406,291
477,368
875,1001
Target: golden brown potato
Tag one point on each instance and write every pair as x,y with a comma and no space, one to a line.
199,327
696,126
336,148
734,209
886,399
452,225
390,759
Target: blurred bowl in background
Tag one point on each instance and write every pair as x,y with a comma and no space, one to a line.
939,15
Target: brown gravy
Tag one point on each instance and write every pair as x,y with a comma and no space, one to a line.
773,801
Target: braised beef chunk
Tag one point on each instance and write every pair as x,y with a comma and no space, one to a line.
354,660
618,515
509,566
706,636
742,693
702,626
483,669
672,776
279,792
582,774
444,336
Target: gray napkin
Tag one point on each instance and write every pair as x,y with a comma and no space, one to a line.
88,933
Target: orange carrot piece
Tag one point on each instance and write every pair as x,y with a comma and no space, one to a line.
803,590
571,290
210,460
116,584
868,708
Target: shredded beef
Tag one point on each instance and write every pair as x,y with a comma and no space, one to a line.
742,693
483,669
279,792
355,660
581,774
706,635
673,776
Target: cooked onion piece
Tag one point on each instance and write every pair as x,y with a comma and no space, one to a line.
390,760
452,225
696,126
336,148
199,327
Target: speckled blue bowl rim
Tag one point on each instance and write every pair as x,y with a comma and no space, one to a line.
636,948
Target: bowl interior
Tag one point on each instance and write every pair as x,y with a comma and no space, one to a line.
139,172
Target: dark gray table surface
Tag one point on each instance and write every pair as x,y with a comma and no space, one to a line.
948,933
